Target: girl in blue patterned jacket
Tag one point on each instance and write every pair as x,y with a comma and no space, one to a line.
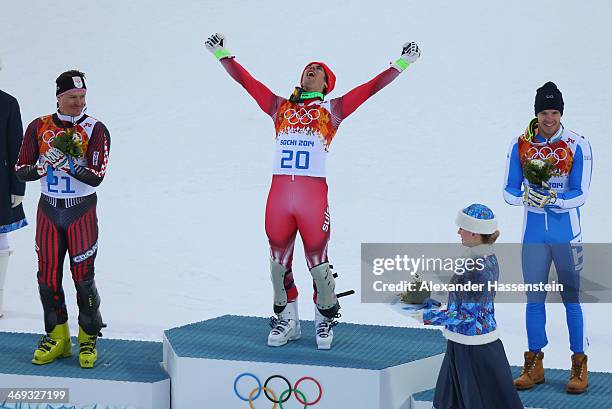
475,373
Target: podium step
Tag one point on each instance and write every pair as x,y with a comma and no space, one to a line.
550,395
127,374
225,359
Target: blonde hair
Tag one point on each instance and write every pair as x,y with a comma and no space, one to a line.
490,238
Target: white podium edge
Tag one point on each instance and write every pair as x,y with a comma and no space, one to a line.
89,391
395,384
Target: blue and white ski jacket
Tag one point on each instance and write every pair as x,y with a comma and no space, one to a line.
469,318
572,157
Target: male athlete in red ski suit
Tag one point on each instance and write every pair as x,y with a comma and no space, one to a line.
66,220
305,126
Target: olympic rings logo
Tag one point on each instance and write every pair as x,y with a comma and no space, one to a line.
271,396
547,153
49,135
301,116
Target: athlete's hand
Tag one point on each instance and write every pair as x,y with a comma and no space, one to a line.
16,200
410,53
58,159
539,197
216,45
42,165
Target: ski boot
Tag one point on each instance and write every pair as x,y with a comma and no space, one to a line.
88,354
53,345
285,326
324,329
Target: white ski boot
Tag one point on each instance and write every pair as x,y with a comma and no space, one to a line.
285,326
324,329
4,256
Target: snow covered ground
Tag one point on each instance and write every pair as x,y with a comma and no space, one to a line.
181,209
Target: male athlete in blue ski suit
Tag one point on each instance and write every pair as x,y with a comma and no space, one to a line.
551,228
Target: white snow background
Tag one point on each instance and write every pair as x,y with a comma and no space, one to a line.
182,206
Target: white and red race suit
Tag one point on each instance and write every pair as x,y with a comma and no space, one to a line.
297,200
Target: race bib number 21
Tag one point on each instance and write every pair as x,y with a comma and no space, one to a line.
56,184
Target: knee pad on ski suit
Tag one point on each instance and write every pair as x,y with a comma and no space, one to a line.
89,306
327,302
54,306
278,273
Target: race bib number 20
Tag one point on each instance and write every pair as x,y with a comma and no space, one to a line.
298,156
295,159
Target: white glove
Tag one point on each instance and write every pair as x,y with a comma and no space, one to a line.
57,159
216,45
42,165
410,53
16,200
539,198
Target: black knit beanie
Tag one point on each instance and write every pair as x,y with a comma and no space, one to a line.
548,96
68,81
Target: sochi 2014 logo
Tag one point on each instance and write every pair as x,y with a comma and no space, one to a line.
273,395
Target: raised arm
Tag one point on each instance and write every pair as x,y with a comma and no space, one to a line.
265,98
348,103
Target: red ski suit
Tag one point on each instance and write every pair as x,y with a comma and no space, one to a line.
297,200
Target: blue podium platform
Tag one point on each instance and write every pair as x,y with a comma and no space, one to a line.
368,367
550,395
127,374
222,362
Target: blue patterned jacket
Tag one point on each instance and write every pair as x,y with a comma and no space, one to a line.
470,316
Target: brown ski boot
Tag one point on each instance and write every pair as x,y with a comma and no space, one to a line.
532,373
579,376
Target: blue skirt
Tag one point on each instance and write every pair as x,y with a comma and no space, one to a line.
476,377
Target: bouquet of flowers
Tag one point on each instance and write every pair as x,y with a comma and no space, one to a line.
69,143
538,172
417,296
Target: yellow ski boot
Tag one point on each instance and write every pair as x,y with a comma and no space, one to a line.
53,345
88,354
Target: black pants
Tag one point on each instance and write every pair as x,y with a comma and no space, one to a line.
476,377
68,225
